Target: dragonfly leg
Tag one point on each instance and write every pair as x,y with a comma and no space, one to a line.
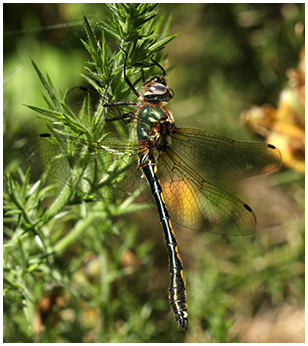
125,76
157,64
125,116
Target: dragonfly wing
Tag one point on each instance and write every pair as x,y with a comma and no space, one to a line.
222,157
85,166
81,96
196,204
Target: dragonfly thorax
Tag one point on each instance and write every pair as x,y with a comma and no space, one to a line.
155,90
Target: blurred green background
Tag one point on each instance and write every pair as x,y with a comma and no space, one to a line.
245,289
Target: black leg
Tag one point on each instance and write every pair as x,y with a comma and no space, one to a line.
106,95
123,103
125,76
157,64
125,116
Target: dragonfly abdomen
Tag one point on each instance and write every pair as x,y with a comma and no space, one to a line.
177,292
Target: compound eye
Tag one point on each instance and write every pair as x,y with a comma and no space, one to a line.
170,92
158,89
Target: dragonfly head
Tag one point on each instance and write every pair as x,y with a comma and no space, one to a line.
155,90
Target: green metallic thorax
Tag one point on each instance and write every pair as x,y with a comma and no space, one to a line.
148,116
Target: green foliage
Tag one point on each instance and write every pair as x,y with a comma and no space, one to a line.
136,29
96,263
39,240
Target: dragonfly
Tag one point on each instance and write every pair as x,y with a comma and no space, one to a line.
176,162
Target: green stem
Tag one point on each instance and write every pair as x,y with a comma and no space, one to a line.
81,227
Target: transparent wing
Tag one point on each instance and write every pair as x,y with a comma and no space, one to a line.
196,204
222,157
89,167
81,96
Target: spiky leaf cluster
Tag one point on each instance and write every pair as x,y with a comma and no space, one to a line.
139,31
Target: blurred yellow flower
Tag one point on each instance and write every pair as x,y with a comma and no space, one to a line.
284,127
